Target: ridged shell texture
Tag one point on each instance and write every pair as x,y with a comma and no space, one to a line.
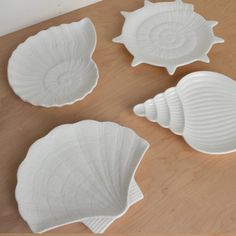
80,172
54,67
201,108
167,34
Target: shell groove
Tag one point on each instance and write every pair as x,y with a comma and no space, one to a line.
165,109
54,67
80,172
201,108
167,34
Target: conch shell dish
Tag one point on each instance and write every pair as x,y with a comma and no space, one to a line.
201,108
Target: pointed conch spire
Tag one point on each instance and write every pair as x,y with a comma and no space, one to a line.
136,61
118,39
171,69
125,13
146,109
212,23
166,109
147,3
204,58
139,110
218,40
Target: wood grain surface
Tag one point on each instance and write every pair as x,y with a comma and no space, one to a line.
185,191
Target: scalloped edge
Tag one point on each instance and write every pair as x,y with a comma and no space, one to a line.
90,57
138,193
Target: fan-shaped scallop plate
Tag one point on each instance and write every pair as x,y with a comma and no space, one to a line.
82,172
167,34
55,67
201,108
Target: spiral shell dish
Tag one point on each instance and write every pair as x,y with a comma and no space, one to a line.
201,108
82,172
55,67
167,34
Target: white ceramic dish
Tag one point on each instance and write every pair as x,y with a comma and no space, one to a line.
167,34
201,108
82,172
55,67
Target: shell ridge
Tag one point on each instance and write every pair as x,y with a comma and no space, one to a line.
75,37
168,111
93,223
117,165
192,32
125,189
95,173
182,107
208,103
118,153
46,198
43,181
89,32
173,121
93,169
126,162
114,199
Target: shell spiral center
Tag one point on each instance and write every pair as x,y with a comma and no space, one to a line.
62,76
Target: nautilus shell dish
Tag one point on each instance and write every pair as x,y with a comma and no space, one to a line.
55,67
167,34
201,108
82,172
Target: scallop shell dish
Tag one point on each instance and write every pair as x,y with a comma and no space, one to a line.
82,172
167,34
201,108
55,67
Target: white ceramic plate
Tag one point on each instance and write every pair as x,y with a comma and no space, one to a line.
201,108
82,172
168,34
55,67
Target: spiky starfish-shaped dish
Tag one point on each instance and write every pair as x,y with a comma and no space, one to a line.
167,34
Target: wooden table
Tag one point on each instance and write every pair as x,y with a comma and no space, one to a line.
185,191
